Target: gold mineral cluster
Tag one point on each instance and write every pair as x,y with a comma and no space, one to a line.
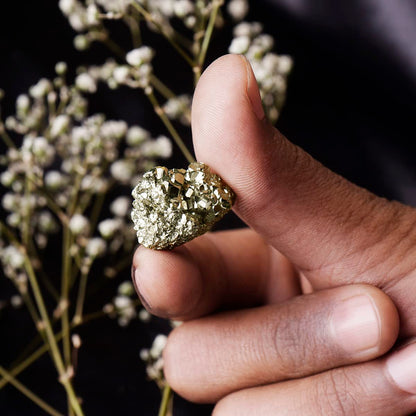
174,206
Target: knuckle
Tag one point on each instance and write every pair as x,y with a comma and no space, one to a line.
335,394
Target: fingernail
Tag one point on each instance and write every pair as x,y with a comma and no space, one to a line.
355,324
401,366
135,278
253,91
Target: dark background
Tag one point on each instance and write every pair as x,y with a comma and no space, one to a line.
351,104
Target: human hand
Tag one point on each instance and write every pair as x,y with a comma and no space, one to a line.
297,354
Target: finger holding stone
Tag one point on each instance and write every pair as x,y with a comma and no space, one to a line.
217,270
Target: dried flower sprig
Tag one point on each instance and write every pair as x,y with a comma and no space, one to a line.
61,163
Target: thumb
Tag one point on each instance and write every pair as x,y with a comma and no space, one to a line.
324,224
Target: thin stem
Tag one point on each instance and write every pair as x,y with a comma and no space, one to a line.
44,348
207,38
110,44
6,138
134,27
161,87
29,394
66,275
64,379
166,398
176,137
161,29
81,296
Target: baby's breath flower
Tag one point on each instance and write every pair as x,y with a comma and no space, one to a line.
140,56
247,29
79,224
55,180
46,222
40,89
95,247
121,74
7,177
126,288
82,42
16,301
239,45
144,315
22,105
238,9
59,125
86,83
120,207
123,170
61,68
183,8
137,135
159,148
67,6
11,256
108,227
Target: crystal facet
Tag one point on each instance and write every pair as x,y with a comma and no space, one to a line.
174,206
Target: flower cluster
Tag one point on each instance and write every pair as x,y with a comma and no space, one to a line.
60,162
124,306
154,360
271,70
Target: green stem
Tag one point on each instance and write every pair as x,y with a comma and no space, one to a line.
63,375
81,297
161,87
66,277
166,398
6,138
207,38
176,137
134,27
29,394
161,30
42,350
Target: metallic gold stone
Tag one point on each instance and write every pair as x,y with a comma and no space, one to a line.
174,206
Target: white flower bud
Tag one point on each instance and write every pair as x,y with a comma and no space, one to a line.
158,345
122,302
248,29
59,125
238,9
159,148
139,56
85,82
239,45
81,42
92,15
79,224
95,247
137,135
114,129
67,6
144,316
46,222
40,89
22,104
144,354
61,68
123,170
121,74
183,7
108,227
7,178
11,256
54,180
16,301
126,288
120,206
285,64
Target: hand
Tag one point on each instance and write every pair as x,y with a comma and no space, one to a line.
295,355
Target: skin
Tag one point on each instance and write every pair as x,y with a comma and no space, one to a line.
297,313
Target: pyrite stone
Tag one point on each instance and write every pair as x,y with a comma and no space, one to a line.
174,206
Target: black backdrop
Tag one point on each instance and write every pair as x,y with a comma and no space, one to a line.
351,104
